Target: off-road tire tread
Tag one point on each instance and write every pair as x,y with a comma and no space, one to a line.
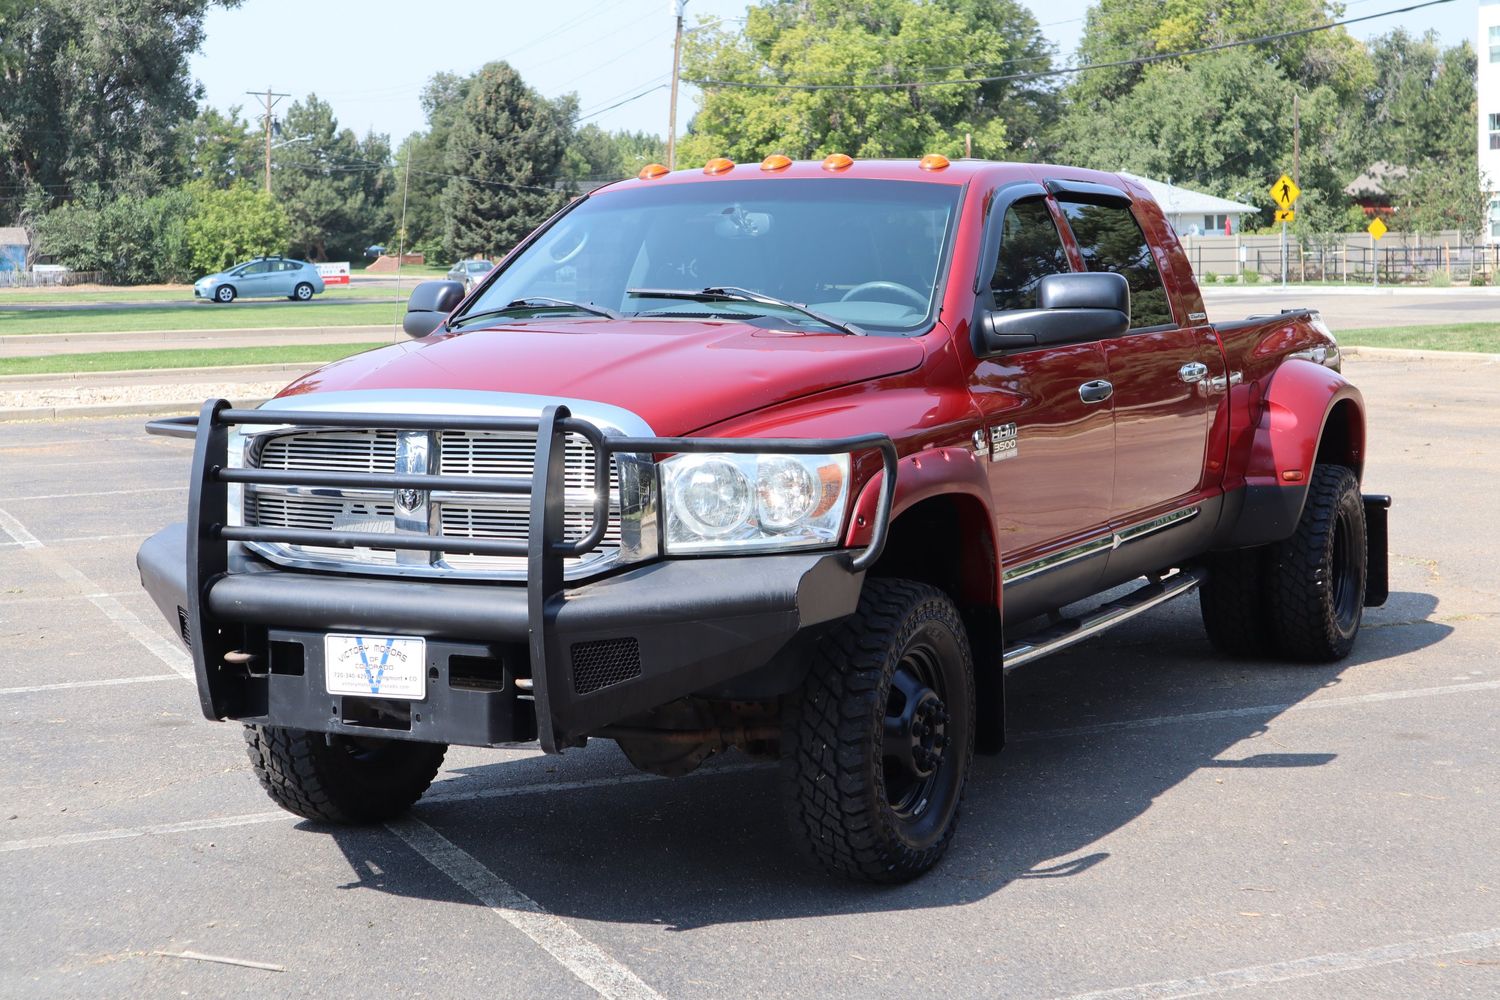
1233,602
1303,625
305,776
834,813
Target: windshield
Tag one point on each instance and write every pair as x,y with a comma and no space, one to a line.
864,252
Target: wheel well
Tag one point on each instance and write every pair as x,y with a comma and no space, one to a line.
1343,440
945,541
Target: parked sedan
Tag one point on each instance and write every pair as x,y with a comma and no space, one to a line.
470,272
263,277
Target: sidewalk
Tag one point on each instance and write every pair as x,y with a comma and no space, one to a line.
28,345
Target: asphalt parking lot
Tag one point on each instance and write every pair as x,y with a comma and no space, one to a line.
1164,824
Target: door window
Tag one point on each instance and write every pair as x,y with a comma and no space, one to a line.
1110,239
259,267
1030,249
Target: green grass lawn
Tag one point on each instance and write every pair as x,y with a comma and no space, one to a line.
212,357
205,316
1482,337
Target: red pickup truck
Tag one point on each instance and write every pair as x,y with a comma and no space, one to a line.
799,458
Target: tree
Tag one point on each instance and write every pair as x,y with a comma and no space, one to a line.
219,148
875,43
1444,194
230,224
505,153
1421,104
93,91
421,171
333,185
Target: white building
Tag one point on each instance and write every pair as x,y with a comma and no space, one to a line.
1193,213
1487,47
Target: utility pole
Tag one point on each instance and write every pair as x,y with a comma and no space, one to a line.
269,99
678,6
1296,138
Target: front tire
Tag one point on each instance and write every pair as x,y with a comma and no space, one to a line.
224,294
303,292
876,746
341,779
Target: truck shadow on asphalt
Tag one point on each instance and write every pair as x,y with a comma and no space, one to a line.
1098,733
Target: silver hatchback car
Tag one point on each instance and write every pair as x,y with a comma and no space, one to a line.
263,277
470,272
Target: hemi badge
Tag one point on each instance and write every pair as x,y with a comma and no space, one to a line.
1002,442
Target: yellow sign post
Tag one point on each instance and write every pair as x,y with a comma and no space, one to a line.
1376,229
1284,193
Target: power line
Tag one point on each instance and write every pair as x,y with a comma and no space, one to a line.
618,104
1067,70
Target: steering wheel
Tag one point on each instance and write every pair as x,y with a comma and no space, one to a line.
568,253
906,292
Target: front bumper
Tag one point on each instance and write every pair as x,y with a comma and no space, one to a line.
615,647
593,653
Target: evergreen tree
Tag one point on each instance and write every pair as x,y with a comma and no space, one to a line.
505,151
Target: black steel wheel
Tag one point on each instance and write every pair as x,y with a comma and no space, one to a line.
876,746
341,779
1316,592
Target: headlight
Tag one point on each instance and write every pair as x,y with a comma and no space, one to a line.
728,503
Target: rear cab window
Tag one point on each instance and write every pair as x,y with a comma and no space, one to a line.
1110,239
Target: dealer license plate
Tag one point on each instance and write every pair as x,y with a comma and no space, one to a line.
376,666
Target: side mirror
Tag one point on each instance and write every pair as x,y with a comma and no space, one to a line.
1073,308
429,305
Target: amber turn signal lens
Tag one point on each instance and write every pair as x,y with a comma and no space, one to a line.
933,161
718,165
776,162
1292,476
838,161
651,171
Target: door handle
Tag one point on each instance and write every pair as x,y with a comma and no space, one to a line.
1096,391
1193,371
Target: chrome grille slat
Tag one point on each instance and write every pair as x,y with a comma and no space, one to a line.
473,515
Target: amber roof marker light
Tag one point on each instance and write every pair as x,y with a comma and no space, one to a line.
933,161
652,171
718,165
838,161
776,162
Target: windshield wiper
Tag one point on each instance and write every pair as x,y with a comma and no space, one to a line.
534,302
731,293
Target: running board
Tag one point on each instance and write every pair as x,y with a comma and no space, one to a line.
1073,630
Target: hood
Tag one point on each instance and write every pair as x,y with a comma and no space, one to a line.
678,375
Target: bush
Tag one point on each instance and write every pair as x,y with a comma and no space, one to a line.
1476,279
230,224
1442,279
1249,276
1208,278
130,240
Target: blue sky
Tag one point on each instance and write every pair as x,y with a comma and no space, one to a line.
370,59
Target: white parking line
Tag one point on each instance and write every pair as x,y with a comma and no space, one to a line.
122,617
128,832
98,493
592,965
1231,713
69,685
1300,968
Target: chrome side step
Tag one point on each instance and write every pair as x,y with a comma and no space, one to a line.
1074,630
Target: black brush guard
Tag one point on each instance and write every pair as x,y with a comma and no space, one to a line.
824,585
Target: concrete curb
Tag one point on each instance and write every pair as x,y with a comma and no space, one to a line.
174,336
209,374
1416,354
16,414
1274,288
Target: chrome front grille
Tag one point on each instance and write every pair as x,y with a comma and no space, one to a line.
447,513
